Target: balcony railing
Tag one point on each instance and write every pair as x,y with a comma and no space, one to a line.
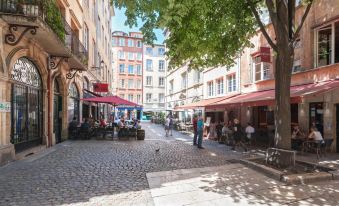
52,16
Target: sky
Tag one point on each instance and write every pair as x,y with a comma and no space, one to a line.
118,24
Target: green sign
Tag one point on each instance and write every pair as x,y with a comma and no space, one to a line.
5,107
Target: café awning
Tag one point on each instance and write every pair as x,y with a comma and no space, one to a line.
114,100
202,103
267,97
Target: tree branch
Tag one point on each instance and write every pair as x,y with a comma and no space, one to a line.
261,25
296,33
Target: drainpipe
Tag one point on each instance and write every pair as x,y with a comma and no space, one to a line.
49,131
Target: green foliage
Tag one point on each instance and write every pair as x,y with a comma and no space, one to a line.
53,18
204,32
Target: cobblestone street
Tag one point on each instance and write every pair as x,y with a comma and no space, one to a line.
81,171
106,172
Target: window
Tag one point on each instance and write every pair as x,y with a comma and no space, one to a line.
130,56
139,84
122,83
148,97
220,86
138,98
130,69
183,80
139,44
86,39
161,51
122,96
148,81
262,70
210,89
121,68
139,69
161,81
121,55
161,65
121,42
149,65
196,76
139,56
130,84
232,83
161,98
171,86
130,97
149,50
130,43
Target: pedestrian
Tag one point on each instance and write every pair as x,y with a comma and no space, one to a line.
219,132
195,126
249,132
238,135
170,124
167,125
200,129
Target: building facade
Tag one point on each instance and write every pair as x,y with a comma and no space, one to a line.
44,62
154,75
128,70
183,86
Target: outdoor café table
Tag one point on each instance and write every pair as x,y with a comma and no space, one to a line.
311,145
297,143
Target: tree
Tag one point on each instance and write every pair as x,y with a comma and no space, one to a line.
213,32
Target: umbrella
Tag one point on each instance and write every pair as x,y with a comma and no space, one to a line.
114,100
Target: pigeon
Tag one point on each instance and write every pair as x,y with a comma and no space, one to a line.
157,150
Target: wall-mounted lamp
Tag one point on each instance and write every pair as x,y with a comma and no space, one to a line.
102,64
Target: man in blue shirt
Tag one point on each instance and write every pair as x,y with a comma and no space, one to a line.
200,129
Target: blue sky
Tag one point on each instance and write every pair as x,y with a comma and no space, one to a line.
118,23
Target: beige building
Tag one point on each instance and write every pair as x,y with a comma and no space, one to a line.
50,52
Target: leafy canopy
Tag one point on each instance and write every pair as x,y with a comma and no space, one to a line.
205,32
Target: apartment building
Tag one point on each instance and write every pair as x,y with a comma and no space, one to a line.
46,62
154,79
128,70
184,86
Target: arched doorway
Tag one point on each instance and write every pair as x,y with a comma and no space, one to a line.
73,102
26,116
57,112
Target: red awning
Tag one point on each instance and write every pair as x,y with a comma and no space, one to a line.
115,100
262,98
202,103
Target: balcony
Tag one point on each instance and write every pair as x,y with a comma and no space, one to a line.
41,20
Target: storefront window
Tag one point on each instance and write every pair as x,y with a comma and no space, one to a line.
73,102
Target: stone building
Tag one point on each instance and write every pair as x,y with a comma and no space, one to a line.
47,54
154,75
128,71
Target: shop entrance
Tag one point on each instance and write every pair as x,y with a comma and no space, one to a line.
26,115
317,116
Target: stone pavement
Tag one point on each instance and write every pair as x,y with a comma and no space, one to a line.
106,172
234,184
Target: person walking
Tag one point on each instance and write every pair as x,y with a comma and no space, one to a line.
167,125
200,128
238,135
170,128
195,129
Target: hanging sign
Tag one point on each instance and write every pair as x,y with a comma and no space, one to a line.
100,87
5,107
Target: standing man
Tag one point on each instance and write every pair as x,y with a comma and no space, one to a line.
200,129
170,124
167,124
195,129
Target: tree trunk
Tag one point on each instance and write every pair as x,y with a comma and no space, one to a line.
282,117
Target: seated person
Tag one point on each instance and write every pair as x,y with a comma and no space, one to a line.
96,123
121,123
225,130
315,135
297,133
249,132
103,123
85,125
218,128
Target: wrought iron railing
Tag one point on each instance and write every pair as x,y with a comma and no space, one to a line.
38,8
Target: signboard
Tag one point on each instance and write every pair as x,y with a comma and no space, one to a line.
100,87
5,107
